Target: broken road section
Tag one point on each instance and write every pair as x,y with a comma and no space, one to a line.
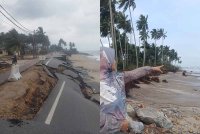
23,98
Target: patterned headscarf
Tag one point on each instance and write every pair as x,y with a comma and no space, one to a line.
107,59
112,93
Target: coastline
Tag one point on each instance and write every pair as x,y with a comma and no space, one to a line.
90,64
91,67
178,98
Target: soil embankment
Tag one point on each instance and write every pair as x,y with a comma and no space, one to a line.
22,99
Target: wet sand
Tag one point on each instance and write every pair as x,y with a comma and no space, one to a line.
179,99
87,63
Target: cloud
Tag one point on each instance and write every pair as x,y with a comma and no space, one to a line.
73,20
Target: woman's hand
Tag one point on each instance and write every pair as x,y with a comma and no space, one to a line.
157,69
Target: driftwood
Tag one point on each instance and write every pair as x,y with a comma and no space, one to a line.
141,75
165,81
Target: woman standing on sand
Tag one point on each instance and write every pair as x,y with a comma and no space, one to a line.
112,92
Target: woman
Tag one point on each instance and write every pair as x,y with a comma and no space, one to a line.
112,92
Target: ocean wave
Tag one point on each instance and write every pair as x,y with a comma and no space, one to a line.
95,54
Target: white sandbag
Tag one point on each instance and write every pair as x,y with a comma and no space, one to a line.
14,74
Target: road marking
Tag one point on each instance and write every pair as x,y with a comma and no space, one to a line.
48,62
53,108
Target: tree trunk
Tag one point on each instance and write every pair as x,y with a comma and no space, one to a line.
112,29
108,41
138,51
101,42
111,21
33,50
155,54
127,53
162,52
134,37
33,39
121,50
125,48
116,52
144,56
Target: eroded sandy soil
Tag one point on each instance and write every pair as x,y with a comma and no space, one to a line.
23,98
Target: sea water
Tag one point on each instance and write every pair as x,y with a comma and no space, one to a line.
193,71
95,54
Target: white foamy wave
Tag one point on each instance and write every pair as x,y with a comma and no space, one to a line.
94,54
96,57
194,71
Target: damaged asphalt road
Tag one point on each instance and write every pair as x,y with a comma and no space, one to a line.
66,111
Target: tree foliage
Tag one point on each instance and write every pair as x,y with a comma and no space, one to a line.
149,53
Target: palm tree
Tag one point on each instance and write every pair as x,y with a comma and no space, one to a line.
165,53
39,38
61,41
162,34
123,24
12,40
155,35
142,26
120,44
128,4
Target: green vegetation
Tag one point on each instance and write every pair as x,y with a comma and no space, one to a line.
35,44
116,25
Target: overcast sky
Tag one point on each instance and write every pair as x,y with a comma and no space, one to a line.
181,20
73,20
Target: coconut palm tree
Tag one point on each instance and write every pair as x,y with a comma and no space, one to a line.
163,35
60,42
142,26
125,25
155,35
128,4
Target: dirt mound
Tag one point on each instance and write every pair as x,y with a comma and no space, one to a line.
22,99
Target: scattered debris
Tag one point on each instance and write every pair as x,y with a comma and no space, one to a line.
195,89
184,73
153,129
165,81
16,122
155,79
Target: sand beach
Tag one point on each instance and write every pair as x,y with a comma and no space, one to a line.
89,64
